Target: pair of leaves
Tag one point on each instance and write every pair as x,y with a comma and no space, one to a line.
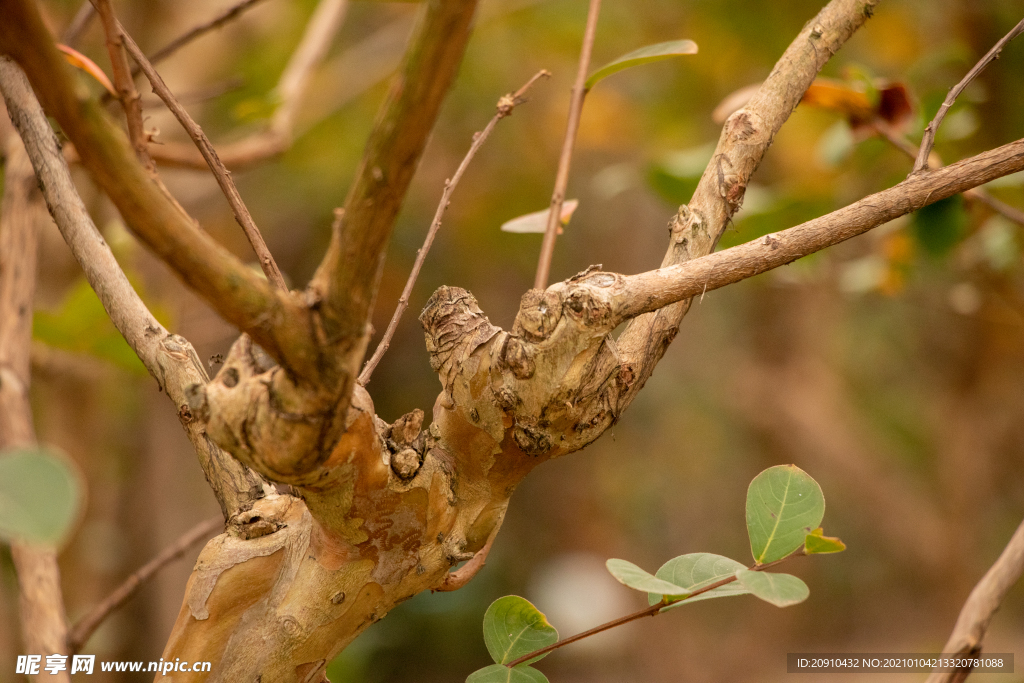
40,496
537,222
513,627
784,508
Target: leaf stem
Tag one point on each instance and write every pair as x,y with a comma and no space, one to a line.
651,611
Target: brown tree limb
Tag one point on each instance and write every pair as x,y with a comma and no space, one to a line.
505,106
928,141
279,322
347,279
43,619
982,604
168,357
745,138
579,91
124,83
87,625
227,185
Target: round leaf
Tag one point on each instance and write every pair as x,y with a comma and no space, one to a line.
782,590
650,53
513,627
697,570
39,496
783,505
631,575
499,673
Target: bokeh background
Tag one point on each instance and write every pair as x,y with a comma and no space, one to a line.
890,367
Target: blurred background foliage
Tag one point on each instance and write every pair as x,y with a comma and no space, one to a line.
889,367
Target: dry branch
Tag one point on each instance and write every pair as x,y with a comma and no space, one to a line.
932,128
579,91
123,82
505,106
981,605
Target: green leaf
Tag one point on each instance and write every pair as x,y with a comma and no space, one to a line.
782,590
783,505
513,627
631,575
650,53
816,543
538,220
40,496
499,673
695,571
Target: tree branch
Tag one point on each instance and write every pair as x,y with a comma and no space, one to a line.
745,138
505,106
87,625
43,619
929,132
579,91
279,322
227,185
348,277
124,83
181,41
982,604
168,357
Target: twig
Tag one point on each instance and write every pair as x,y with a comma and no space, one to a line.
227,185
87,625
978,194
124,83
186,38
652,611
929,132
461,576
505,106
982,604
547,248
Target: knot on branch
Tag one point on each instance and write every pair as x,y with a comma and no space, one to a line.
406,441
454,326
259,415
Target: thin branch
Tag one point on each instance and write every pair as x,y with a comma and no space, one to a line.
982,604
124,83
652,611
579,91
505,106
227,185
87,625
978,193
169,358
464,574
186,38
929,132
